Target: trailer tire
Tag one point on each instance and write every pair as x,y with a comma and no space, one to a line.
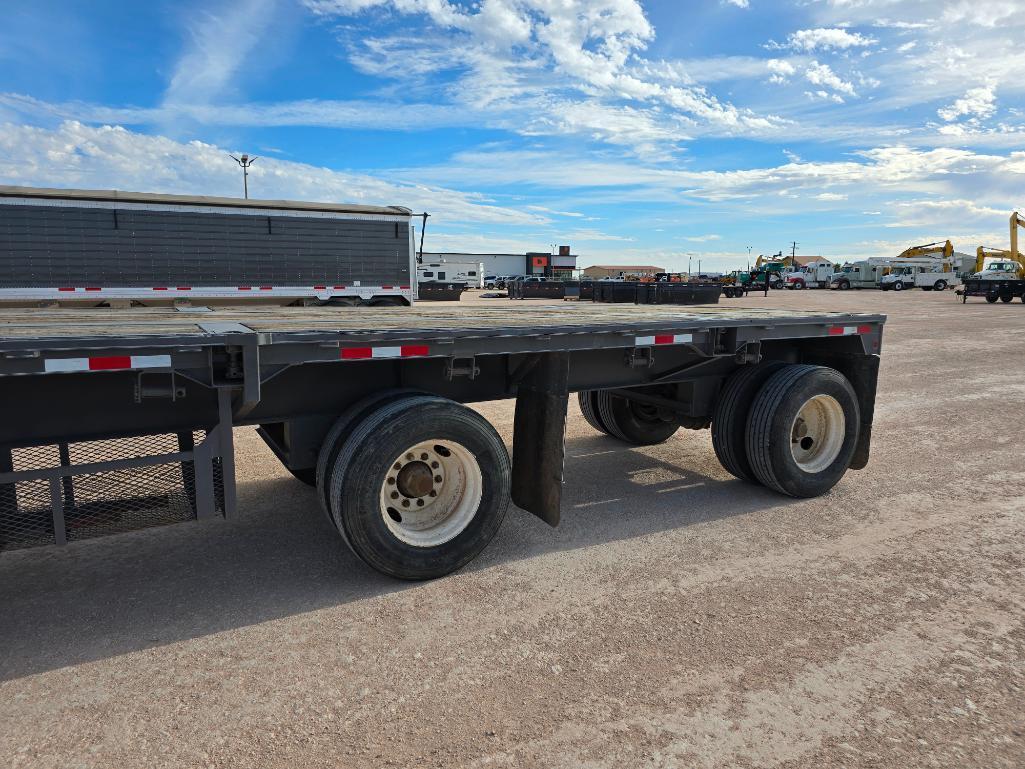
588,401
388,301
1005,298
340,430
729,420
992,298
803,430
420,487
635,423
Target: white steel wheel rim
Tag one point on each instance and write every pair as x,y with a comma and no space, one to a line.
431,492
817,433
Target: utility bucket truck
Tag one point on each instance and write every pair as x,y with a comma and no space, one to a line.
925,273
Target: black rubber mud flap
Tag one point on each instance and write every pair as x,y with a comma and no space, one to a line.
539,439
863,374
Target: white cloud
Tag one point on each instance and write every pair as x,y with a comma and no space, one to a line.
221,40
827,39
703,238
781,69
823,75
569,67
978,103
75,155
830,197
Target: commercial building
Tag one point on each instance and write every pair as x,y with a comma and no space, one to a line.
560,265
598,271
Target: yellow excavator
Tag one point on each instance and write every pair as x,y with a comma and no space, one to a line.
1008,264
943,247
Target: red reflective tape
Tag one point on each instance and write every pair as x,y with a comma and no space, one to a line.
663,338
266,288
357,353
387,288
245,288
836,330
65,289
404,288
414,350
339,288
93,288
320,288
111,362
184,288
864,329
160,288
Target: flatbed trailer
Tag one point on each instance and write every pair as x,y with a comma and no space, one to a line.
122,419
1003,289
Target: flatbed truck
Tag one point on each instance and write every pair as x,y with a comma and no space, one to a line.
122,419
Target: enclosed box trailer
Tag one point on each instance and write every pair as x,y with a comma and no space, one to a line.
96,247
122,419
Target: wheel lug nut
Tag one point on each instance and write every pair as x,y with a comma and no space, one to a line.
391,481
419,503
437,479
423,457
405,503
434,465
398,465
433,493
395,495
410,457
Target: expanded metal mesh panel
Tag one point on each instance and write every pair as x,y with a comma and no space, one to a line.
52,246
26,515
104,502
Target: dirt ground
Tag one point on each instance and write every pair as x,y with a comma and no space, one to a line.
676,618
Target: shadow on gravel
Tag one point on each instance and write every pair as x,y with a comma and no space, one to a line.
279,557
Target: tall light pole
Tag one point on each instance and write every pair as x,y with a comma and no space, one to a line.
245,161
749,258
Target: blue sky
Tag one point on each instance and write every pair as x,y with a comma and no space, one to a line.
635,130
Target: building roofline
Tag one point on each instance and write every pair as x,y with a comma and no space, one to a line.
121,196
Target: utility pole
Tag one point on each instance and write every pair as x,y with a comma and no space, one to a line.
245,161
749,258
793,252
423,229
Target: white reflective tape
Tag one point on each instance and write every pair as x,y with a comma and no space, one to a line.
151,361
66,364
850,330
683,338
644,341
387,352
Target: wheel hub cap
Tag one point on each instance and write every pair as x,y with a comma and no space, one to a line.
431,492
415,480
817,434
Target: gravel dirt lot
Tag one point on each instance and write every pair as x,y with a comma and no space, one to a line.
676,618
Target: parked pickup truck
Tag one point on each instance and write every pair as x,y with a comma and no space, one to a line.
123,419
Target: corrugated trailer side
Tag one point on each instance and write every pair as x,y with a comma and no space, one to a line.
74,245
